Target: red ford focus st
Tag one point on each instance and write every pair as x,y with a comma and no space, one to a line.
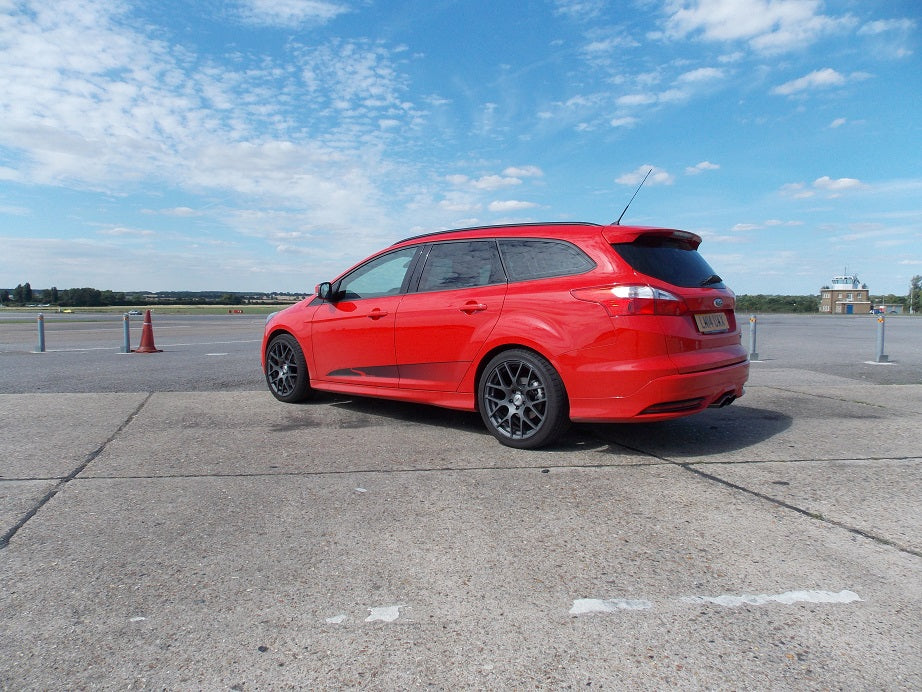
532,325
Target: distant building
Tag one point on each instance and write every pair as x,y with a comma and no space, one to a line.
846,296
888,309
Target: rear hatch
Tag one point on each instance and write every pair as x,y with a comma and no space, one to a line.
696,309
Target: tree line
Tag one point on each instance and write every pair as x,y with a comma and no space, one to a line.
90,297
86,297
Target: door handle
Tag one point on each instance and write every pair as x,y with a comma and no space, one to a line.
376,314
471,307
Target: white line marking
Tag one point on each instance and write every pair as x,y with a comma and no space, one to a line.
585,606
582,606
787,598
210,343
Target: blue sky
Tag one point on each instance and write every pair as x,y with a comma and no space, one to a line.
265,145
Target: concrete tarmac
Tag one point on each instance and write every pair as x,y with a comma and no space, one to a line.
213,538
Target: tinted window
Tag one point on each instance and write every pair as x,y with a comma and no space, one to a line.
381,276
672,260
461,265
537,259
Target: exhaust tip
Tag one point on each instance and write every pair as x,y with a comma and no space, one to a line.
724,400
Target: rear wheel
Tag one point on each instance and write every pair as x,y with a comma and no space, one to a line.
522,400
286,370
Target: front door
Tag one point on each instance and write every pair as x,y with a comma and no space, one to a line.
352,335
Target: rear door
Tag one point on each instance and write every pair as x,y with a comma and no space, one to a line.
442,325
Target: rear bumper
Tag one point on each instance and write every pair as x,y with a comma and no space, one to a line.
669,396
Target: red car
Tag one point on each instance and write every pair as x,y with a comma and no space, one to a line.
532,325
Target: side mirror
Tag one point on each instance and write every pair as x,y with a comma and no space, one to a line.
324,291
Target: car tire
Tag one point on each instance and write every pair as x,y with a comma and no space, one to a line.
522,400
286,370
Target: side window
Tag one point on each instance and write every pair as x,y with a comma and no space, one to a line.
461,265
382,276
538,259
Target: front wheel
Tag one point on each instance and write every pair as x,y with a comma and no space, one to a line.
522,400
286,370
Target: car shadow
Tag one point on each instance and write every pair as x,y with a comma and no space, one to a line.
713,431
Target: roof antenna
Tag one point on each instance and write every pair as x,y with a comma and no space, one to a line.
618,222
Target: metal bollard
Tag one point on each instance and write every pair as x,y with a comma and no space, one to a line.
753,354
881,356
126,341
41,333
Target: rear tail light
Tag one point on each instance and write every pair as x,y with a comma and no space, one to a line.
632,299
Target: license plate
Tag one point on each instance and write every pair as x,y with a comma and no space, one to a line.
711,322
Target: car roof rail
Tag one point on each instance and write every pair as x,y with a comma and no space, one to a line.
501,225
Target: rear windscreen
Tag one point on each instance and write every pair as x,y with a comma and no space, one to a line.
672,260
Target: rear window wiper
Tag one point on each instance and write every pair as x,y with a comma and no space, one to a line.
711,280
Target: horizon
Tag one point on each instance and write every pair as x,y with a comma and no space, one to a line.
258,143
142,292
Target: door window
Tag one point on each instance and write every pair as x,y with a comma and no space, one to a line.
461,265
539,259
382,276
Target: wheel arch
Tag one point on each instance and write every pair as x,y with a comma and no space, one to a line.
277,331
267,339
495,350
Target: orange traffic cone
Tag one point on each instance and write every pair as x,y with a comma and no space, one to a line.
147,337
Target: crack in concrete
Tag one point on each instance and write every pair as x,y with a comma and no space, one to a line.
8,536
805,512
690,467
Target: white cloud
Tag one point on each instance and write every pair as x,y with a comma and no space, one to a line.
489,182
882,26
495,182
838,122
657,176
289,13
88,102
580,10
778,222
358,79
623,122
603,46
179,212
796,191
630,100
510,205
818,79
830,187
770,223
459,204
701,168
890,38
837,186
119,231
523,172
702,74
769,26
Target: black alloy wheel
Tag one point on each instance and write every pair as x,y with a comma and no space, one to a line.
522,400
286,370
